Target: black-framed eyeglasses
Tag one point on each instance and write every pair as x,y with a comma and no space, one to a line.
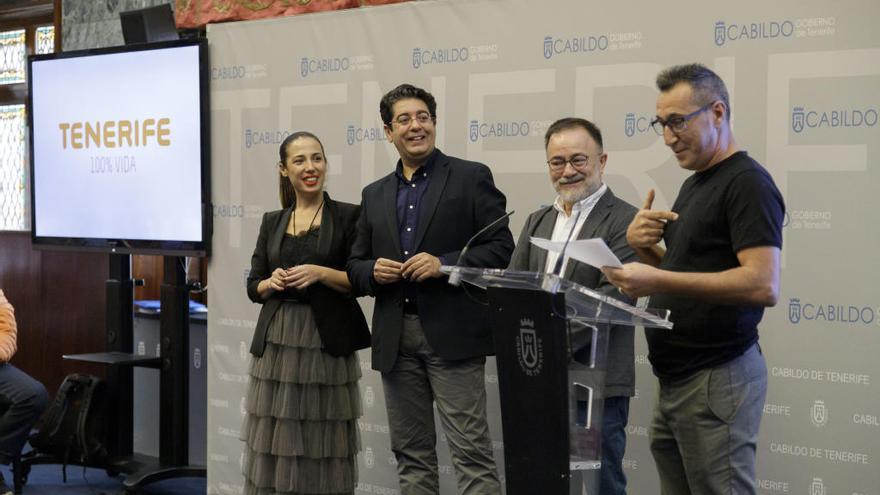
678,123
577,161
406,120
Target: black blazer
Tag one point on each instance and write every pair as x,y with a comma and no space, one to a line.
341,323
460,200
609,220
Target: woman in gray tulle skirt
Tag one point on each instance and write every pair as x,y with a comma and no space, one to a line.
303,401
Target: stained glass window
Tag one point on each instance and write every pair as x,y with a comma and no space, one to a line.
13,123
45,39
12,174
12,50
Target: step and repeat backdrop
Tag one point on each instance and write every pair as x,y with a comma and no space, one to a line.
803,77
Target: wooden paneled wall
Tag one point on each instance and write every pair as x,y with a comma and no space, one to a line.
150,269
59,302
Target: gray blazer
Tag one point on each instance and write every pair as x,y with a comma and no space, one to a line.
608,220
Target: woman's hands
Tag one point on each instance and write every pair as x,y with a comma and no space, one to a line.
297,277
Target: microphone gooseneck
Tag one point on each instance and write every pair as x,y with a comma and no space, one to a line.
455,277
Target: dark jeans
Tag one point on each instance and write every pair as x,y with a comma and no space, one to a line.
22,401
614,419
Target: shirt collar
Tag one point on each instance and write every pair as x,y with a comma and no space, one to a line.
585,204
425,168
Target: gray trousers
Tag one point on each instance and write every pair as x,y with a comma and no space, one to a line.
705,428
418,380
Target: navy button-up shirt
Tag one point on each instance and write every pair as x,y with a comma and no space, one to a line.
409,202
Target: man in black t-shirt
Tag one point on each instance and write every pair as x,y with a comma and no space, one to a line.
719,270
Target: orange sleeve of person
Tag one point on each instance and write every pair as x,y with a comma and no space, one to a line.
8,330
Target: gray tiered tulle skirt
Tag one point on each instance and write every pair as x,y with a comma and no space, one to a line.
302,405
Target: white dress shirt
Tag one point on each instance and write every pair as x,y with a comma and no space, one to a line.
570,225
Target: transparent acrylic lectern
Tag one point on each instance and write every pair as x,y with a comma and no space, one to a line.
551,345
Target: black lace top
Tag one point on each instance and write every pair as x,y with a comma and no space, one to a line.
294,250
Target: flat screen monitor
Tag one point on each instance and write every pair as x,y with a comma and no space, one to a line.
119,151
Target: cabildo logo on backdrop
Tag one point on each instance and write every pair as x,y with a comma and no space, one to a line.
585,44
832,313
636,124
591,43
453,55
230,72
819,414
424,56
725,32
227,72
363,134
225,210
309,66
778,29
255,137
803,119
478,130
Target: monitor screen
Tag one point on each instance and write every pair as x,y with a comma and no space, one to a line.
119,149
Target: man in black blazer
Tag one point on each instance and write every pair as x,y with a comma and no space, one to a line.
587,207
429,339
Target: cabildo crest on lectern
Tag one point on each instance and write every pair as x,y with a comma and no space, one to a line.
529,349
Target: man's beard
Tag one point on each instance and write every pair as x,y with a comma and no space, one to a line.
572,195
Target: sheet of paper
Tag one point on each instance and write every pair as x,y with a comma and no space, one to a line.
593,252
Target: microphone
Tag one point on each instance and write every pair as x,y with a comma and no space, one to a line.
455,277
558,267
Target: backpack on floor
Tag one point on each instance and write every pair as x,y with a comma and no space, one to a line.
73,428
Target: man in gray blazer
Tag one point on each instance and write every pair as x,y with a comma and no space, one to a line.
586,207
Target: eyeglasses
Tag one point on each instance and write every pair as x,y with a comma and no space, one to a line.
577,161
406,120
678,123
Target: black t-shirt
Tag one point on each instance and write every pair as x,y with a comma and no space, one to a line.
732,206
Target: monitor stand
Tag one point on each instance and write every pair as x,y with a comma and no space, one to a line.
173,460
